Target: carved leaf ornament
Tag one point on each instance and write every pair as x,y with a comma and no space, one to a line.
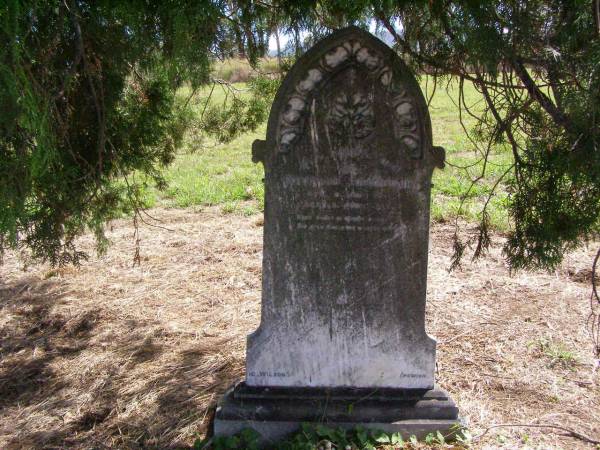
352,110
353,113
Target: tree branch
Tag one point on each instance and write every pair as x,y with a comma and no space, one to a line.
596,6
594,317
432,62
557,115
504,125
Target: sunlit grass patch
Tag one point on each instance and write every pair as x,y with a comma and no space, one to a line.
205,173
214,175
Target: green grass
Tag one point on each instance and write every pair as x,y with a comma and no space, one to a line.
208,174
221,175
464,161
557,353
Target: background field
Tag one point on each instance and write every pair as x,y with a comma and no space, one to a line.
208,174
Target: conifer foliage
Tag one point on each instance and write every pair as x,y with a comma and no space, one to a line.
88,103
87,93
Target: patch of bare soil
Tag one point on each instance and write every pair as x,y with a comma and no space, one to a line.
111,355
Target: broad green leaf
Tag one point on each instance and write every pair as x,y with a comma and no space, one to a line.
397,439
381,437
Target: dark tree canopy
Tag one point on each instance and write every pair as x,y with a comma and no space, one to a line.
87,99
87,93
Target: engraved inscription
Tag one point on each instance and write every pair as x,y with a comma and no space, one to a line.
269,374
325,204
412,375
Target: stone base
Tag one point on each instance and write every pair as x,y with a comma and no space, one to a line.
276,413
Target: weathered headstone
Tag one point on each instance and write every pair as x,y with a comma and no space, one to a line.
348,163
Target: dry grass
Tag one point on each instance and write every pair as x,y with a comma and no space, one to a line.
236,70
111,355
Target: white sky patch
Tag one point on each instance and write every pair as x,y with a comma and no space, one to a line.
285,38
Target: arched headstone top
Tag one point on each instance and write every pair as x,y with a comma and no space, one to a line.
345,56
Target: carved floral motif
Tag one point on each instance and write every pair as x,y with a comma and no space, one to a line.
352,109
352,114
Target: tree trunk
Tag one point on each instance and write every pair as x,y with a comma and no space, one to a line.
239,39
596,7
276,33
297,41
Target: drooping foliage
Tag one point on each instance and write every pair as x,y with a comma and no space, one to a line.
88,99
537,67
88,96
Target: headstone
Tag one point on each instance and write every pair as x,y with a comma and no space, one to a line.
348,163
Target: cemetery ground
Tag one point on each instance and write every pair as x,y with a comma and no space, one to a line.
111,355
117,355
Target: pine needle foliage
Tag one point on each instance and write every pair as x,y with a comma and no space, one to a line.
536,65
87,99
87,96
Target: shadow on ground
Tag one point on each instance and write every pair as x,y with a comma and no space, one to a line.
85,378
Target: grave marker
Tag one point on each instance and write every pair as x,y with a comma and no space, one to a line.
348,163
